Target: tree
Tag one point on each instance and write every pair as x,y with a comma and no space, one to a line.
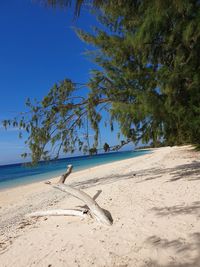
148,80
106,147
93,151
150,65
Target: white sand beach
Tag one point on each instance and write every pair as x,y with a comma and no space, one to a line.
154,201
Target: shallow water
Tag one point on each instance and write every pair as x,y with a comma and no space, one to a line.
18,174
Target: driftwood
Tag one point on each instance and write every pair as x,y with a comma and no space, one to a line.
80,213
94,210
65,175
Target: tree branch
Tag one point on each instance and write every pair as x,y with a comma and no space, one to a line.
65,175
93,208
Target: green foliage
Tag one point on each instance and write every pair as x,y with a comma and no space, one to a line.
150,68
106,147
148,80
54,124
92,151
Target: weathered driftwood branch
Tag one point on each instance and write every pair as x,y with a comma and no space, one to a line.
80,213
94,209
65,175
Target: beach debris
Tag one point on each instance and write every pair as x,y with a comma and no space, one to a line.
93,209
47,182
57,212
65,175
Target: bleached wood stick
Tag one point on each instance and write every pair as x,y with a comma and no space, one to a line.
60,212
96,211
65,175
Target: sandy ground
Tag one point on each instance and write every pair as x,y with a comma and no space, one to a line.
154,201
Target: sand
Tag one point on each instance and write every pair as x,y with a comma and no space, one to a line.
153,199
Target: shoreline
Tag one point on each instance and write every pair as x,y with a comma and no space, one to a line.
154,202
25,183
34,185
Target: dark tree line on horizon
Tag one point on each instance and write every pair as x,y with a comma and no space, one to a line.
147,80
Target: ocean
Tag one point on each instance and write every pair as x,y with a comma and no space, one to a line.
19,174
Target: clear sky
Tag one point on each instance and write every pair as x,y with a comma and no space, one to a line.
38,47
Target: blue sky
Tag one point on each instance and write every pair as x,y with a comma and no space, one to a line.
38,47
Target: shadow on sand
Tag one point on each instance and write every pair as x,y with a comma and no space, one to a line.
189,251
193,209
180,247
191,172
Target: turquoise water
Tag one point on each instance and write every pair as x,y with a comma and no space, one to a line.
18,174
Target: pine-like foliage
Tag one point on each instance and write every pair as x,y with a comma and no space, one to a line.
149,55
148,79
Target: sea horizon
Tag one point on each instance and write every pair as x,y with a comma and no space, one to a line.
68,157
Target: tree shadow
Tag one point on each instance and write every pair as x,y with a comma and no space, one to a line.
103,180
187,254
193,209
189,172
